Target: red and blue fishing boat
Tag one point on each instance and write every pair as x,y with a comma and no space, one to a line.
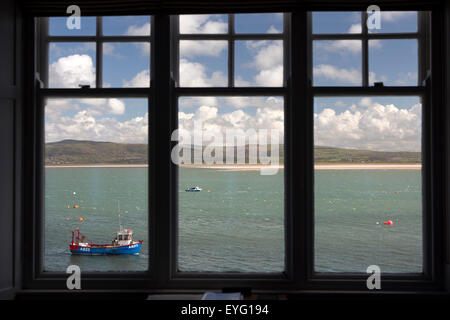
123,243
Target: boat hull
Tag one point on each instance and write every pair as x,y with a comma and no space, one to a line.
133,248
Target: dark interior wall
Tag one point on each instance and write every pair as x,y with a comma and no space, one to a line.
9,103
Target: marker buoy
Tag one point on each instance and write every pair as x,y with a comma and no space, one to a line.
389,223
75,206
80,219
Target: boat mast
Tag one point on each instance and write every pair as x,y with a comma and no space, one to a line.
118,206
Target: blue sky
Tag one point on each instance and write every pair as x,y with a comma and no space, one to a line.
257,63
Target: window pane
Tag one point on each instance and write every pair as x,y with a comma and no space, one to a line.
235,223
203,63
259,63
394,62
337,63
336,22
126,64
126,25
259,23
203,23
58,27
71,64
368,184
396,21
96,158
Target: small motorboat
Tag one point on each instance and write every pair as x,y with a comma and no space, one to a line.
193,189
123,243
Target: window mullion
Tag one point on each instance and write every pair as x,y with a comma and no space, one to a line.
231,50
99,53
161,188
365,50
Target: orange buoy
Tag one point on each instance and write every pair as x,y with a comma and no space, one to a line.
75,206
80,219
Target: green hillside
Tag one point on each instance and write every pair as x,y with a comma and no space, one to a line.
72,152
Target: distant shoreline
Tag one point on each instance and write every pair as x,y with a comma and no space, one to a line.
252,167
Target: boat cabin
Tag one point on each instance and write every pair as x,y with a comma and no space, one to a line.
123,237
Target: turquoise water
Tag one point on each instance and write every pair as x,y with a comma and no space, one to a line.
238,225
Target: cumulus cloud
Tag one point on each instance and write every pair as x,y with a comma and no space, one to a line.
86,126
71,71
193,74
267,60
370,126
135,30
142,79
268,115
340,75
193,48
203,23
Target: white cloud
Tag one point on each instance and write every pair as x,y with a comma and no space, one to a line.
326,71
342,47
203,23
272,29
71,71
135,30
355,28
192,48
372,127
85,126
391,16
142,79
268,61
193,74
408,78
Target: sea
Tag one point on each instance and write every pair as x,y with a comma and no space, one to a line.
236,223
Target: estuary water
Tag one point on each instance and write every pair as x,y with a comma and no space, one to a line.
236,224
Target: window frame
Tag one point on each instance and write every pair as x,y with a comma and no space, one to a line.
297,92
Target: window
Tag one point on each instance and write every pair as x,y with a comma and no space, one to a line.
264,150
235,220
368,188
96,147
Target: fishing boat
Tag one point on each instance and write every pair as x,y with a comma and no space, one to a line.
122,243
194,189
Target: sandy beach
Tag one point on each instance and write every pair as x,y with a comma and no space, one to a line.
254,167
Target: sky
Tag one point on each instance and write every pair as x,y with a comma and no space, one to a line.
375,123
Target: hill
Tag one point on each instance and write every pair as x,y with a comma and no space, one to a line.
72,152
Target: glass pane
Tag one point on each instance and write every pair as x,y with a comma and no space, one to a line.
336,22
203,63
337,63
396,21
231,184
368,184
126,25
259,23
71,64
126,64
96,159
203,23
259,63
58,27
393,62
